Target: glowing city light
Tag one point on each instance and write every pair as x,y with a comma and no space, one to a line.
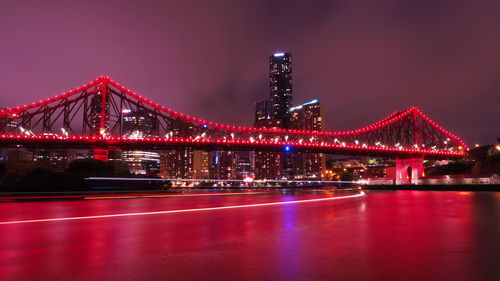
248,180
311,102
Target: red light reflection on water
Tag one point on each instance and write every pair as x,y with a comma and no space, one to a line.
385,236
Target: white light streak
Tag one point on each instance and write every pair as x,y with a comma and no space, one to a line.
361,194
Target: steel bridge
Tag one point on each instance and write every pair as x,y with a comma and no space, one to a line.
91,117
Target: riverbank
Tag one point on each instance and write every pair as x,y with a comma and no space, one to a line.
442,187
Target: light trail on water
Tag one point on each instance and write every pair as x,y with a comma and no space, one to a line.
360,194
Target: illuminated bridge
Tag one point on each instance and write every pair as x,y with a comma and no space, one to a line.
91,117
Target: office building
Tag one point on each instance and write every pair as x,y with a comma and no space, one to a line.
201,164
185,164
268,165
223,165
280,83
177,164
307,117
142,162
275,113
243,167
137,124
95,116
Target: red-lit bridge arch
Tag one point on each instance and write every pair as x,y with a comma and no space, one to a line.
91,116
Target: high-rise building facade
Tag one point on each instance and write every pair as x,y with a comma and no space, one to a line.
268,165
243,167
138,124
177,164
201,164
185,164
275,113
95,114
223,165
307,117
141,162
280,83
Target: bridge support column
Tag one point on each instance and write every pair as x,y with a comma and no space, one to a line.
409,170
101,154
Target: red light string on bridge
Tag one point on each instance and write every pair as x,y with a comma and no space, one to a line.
392,118
92,140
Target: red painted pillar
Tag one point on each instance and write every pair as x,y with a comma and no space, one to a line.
409,170
101,154
104,113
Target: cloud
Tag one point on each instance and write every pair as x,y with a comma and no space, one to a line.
362,59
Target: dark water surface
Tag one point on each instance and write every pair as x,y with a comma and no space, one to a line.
393,235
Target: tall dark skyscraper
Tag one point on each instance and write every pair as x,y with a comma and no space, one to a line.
280,82
277,112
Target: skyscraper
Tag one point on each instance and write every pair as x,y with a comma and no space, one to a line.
185,164
223,165
268,165
201,164
177,164
275,113
138,124
95,114
307,117
280,83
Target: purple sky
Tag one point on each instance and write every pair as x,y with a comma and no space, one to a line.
210,58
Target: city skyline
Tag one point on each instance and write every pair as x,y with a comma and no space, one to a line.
432,74
278,112
249,140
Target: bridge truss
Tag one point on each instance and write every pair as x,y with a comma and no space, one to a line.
92,116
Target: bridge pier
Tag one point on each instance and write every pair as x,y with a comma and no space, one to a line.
409,170
101,154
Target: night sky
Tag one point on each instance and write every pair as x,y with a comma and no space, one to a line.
362,59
